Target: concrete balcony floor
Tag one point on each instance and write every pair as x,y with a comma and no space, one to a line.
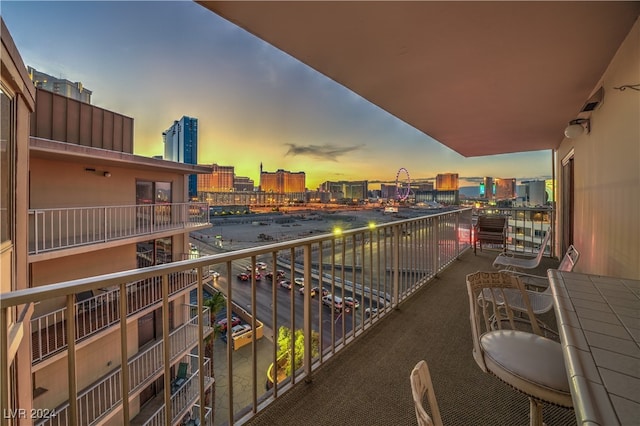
368,382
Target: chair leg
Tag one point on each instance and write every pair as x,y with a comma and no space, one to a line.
535,412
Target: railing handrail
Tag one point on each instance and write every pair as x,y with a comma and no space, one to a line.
37,210
66,288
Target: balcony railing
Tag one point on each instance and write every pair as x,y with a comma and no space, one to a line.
61,228
98,400
378,266
98,313
527,227
185,396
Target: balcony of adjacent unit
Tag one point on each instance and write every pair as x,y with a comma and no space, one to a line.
72,229
97,312
408,302
185,396
101,400
527,226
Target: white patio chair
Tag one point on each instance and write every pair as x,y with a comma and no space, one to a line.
421,385
509,262
541,301
525,360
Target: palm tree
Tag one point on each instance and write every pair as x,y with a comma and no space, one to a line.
215,303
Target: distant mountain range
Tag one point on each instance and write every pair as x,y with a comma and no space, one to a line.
469,191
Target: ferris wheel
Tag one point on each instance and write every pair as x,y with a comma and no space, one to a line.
403,184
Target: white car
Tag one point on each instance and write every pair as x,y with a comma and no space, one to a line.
299,281
329,299
261,265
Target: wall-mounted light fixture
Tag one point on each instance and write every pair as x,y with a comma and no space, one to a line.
104,173
577,127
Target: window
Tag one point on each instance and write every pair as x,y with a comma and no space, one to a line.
7,120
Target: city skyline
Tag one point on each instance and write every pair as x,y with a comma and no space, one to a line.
155,61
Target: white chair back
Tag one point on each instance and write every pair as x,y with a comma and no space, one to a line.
421,386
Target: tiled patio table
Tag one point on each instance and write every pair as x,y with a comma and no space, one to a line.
599,324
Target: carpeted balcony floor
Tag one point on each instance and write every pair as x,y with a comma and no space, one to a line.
368,382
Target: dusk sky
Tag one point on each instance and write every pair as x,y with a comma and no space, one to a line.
158,61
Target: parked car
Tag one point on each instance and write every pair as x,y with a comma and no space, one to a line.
223,323
299,281
350,302
239,329
236,331
285,284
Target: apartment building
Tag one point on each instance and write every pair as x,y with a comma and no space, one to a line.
91,207
62,86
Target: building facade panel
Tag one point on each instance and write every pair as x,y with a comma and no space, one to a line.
55,119
73,121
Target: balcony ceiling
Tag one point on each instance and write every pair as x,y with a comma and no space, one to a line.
482,78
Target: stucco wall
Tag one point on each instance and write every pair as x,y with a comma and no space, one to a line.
607,173
57,183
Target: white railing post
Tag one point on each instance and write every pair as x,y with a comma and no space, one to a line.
395,243
106,227
435,252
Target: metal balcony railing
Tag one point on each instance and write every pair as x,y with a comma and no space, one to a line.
61,228
185,396
527,227
98,313
379,267
98,400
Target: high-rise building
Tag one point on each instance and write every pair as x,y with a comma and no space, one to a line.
447,182
352,190
422,186
487,188
61,86
535,192
220,179
181,145
505,188
282,181
243,184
